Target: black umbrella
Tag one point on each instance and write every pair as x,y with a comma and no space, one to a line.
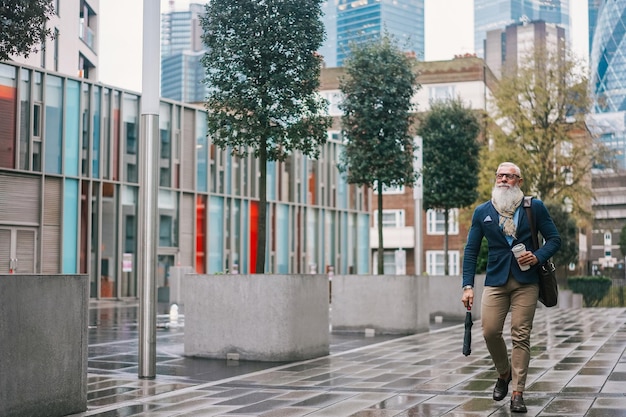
467,338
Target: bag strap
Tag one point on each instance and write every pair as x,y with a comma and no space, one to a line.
528,203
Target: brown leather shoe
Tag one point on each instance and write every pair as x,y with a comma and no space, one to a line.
502,387
517,404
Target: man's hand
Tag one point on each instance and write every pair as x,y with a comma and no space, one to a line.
468,298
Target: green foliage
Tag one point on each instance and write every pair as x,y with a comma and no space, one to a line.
539,124
622,240
23,26
483,256
263,75
451,155
378,87
592,288
566,225
377,90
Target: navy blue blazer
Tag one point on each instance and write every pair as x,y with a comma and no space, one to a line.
485,223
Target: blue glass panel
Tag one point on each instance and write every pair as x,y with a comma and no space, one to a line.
70,226
343,244
282,239
95,167
72,126
202,152
54,125
215,239
363,244
271,181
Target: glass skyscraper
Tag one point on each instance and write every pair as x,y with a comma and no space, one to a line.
348,21
608,75
182,49
497,14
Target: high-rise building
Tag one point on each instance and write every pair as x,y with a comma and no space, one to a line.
73,50
497,14
506,48
182,49
348,21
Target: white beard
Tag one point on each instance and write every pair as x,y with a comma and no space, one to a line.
505,196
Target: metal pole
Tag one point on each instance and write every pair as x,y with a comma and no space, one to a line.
148,188
418,193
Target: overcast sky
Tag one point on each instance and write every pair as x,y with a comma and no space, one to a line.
447,34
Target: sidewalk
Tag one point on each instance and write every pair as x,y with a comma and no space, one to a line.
578,368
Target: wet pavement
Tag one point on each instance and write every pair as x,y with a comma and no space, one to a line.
578,368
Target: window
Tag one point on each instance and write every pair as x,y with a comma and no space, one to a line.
441,92
391,218
394,262
435,262
435,222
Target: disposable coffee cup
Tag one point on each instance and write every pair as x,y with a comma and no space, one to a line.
517,252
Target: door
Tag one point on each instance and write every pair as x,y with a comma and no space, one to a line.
17,250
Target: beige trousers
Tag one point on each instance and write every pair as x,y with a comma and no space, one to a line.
521,300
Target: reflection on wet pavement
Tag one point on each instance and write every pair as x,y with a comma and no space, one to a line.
578,368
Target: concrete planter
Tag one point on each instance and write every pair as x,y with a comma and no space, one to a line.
388,304
43,345
271,318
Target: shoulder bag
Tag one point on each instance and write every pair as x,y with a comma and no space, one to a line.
548,287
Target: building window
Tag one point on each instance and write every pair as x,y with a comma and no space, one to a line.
391,218
435,222
394,262
435,262
441,92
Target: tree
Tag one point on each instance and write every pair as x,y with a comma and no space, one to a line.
377,89
539,124
262,76
23,26
451,156
566,225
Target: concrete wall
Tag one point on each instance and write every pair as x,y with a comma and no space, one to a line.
398,304
444,297
43,345
388,304
256,317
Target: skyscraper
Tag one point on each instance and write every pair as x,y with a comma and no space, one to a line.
181,51
348,21
506,48
497,14
608,75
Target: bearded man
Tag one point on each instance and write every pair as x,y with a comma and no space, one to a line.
503,222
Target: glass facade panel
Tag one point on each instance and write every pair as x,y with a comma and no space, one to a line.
131,132
202,152
95,149
363,243
8,106
129,240
70,226
168,218
165,150
54,125
86,123
282,239
216,234
72,123
25,122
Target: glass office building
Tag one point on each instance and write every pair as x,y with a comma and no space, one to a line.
348,21
497,14
182,73
608,76
69,191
